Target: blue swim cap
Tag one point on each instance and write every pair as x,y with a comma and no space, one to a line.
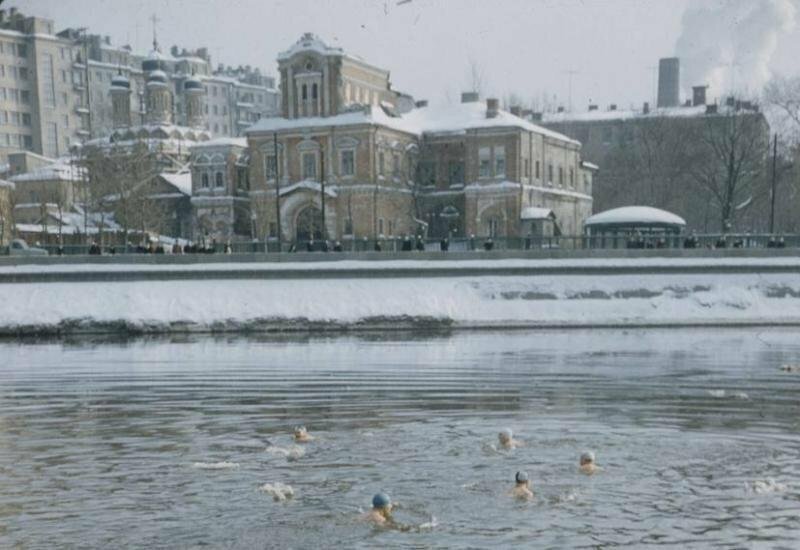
521,477
380,500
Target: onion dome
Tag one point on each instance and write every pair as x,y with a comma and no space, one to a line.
154,62
120,81
157,77
192,83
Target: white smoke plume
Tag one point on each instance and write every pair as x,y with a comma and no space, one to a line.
727,44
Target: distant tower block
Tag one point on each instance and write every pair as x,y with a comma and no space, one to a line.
121,101
195,102
669,82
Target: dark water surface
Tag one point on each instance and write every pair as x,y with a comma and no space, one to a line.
167,443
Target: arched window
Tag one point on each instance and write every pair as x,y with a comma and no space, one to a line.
304,92
205,180
314,91
218,179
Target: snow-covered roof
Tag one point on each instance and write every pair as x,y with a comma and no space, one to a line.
182,181
536,213
615,115
589,165
310,185
60,170
221,142
6,184
635,215
451,119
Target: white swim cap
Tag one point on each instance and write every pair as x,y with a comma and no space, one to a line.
506,433
587,456
521,476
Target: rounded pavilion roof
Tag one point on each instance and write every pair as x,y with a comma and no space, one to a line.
635,216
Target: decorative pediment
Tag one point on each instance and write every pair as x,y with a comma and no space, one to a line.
347,142
308,145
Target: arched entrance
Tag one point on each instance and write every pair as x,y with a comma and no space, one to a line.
308,226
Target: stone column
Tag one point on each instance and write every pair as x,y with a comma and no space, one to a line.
290,90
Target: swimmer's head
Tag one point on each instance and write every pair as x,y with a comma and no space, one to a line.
381,500
505,435
299,430
521,477
587,458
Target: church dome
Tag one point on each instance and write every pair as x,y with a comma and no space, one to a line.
120,81
154,62
192,83
157,77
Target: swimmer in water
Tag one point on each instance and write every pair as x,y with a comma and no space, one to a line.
381,512
507,441
588,466
522,489
301,435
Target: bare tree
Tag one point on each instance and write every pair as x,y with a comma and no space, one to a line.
782,95
731,162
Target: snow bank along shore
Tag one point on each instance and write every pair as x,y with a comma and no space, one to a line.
412,295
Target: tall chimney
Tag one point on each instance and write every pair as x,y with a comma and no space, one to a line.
699,95
669,82
469,97
492,107
515,110
646,108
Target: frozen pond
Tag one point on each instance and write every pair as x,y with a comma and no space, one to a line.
159,443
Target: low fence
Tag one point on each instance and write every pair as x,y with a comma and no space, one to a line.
468,244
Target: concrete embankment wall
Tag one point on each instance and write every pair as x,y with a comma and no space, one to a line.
421,294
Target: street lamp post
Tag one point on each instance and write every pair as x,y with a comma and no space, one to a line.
277,192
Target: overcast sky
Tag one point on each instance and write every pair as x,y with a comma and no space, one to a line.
527,47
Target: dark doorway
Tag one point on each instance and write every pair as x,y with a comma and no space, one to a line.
309,224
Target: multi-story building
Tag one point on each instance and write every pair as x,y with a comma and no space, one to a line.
677,157
41,105
54,86
350,158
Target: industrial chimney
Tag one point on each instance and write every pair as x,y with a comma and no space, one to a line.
469,97
699,95
669,82
492,107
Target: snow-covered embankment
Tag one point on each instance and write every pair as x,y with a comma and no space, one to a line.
632,295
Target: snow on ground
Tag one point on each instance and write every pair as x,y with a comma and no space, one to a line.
330,265
388,302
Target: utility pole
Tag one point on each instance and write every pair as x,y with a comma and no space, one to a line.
277,191
322,190
774,184
570,74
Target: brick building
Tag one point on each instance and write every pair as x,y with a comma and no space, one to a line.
384,166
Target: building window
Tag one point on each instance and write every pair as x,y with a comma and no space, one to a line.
348,226
26,119
2,71
485,160
314,91
560,176
310,166
23,73
608,135
270,167
550,174
224,110
380,226
66,121
304,92
492,226
22,50
205,181
499,162
214,91
426,173
527,168
216,110
348,163
571,177
455,172
381,163
218,179
396,165
537,169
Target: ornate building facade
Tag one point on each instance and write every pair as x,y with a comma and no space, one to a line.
353,158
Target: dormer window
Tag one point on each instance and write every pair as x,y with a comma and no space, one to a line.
309,66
